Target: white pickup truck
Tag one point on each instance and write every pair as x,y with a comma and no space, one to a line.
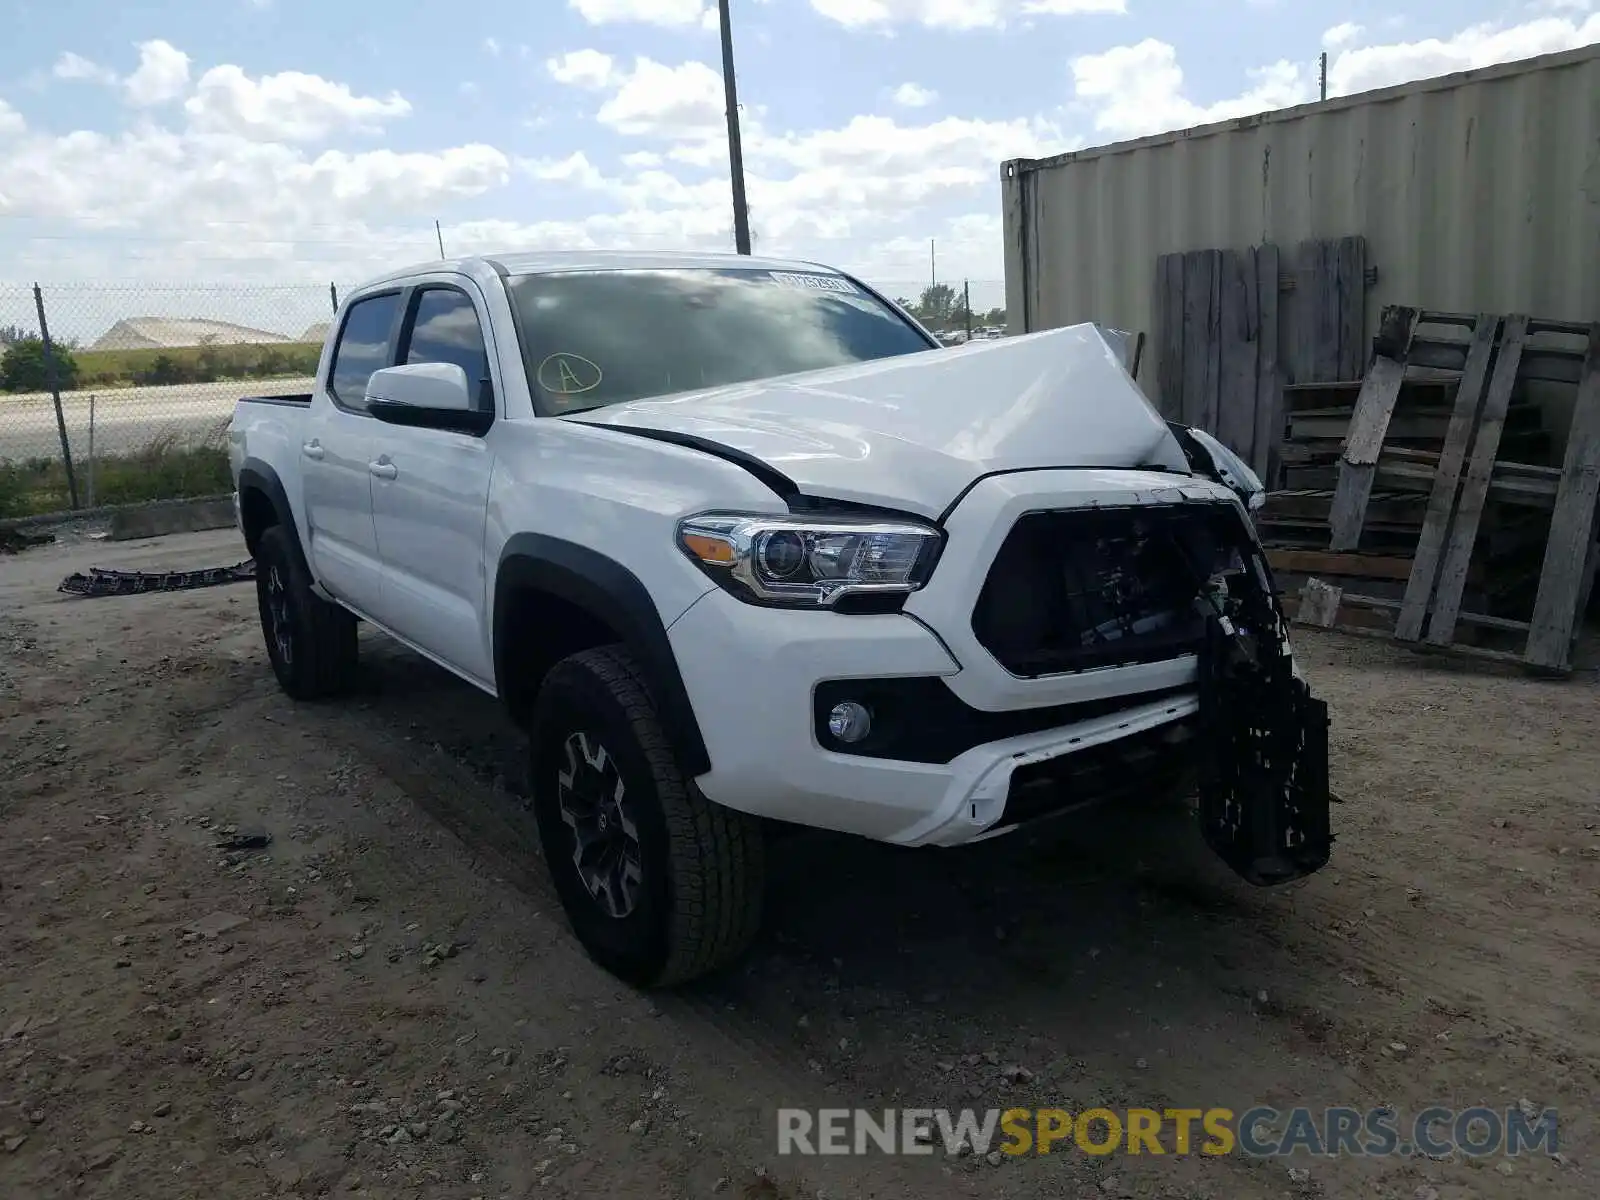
743,548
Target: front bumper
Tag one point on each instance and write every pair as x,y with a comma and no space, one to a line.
754,706
1232,719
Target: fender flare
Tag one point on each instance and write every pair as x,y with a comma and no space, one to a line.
257,475
604,587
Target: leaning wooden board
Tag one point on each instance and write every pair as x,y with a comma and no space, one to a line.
1368,427
1569,555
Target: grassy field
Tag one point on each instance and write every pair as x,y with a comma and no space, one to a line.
104,369
163,470
194,364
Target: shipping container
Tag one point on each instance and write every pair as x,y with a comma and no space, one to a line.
1474,192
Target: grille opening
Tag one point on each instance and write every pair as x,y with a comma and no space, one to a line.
1154,764
1078,589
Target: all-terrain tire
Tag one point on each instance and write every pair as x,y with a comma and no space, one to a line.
697,902
310,642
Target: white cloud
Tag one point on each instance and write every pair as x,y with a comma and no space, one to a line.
76,67
289,106
1136,90
685,101
1368,67
11,124
575,168
1342,34
162,75
914,95
491,47
644,12
955,14
1072,8
235,185
582,68
1130,91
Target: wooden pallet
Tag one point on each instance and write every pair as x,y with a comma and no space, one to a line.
1497,354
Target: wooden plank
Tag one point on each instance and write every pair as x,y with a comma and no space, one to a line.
1478,620
1400,476
1501,467
1314,505
1590,570
1572,526
1351,269
1475,487
1384,589
1421,426
1322,562
1364,442
1325,307
1213,363
1169,352
1236,356
1198,345
1409,422
1375,404
1446,481
1544,364
1269,379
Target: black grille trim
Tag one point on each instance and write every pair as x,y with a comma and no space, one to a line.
1082,589
1154,763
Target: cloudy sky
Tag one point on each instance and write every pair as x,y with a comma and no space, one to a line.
313,139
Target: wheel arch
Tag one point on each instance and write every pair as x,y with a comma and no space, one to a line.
264,502
565,582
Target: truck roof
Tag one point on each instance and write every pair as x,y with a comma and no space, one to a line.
538,262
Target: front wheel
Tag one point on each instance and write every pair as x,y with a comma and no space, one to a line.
661,885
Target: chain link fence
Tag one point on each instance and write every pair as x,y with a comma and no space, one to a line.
115,394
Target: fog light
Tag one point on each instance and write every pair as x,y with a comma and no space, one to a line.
849,721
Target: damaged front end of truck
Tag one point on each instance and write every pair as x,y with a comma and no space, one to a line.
1090,589
1264,802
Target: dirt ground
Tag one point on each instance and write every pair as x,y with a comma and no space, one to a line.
384,1001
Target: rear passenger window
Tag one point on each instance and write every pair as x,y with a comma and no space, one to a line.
363,348
445,329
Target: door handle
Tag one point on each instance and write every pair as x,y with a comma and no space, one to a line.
383,470
312,449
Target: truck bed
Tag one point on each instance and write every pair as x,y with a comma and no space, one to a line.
296,400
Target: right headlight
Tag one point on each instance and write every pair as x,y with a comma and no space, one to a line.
810,562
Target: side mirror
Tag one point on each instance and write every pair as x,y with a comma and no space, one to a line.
427,396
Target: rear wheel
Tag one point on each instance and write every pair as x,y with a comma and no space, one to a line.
310,642
660,884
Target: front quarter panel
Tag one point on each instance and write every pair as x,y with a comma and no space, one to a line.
615,493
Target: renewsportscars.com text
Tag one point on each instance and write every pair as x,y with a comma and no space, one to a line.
1257,1132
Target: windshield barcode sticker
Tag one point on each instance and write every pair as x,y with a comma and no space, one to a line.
815,283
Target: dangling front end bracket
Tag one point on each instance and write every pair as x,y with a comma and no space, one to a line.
1264,801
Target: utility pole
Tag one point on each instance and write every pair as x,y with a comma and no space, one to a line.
741,214
439,233
933,266
1323,74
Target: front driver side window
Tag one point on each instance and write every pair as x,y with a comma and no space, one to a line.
363,348
445,329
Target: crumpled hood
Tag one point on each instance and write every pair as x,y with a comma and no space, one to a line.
912,432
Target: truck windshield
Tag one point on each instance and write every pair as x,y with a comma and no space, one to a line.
593,338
